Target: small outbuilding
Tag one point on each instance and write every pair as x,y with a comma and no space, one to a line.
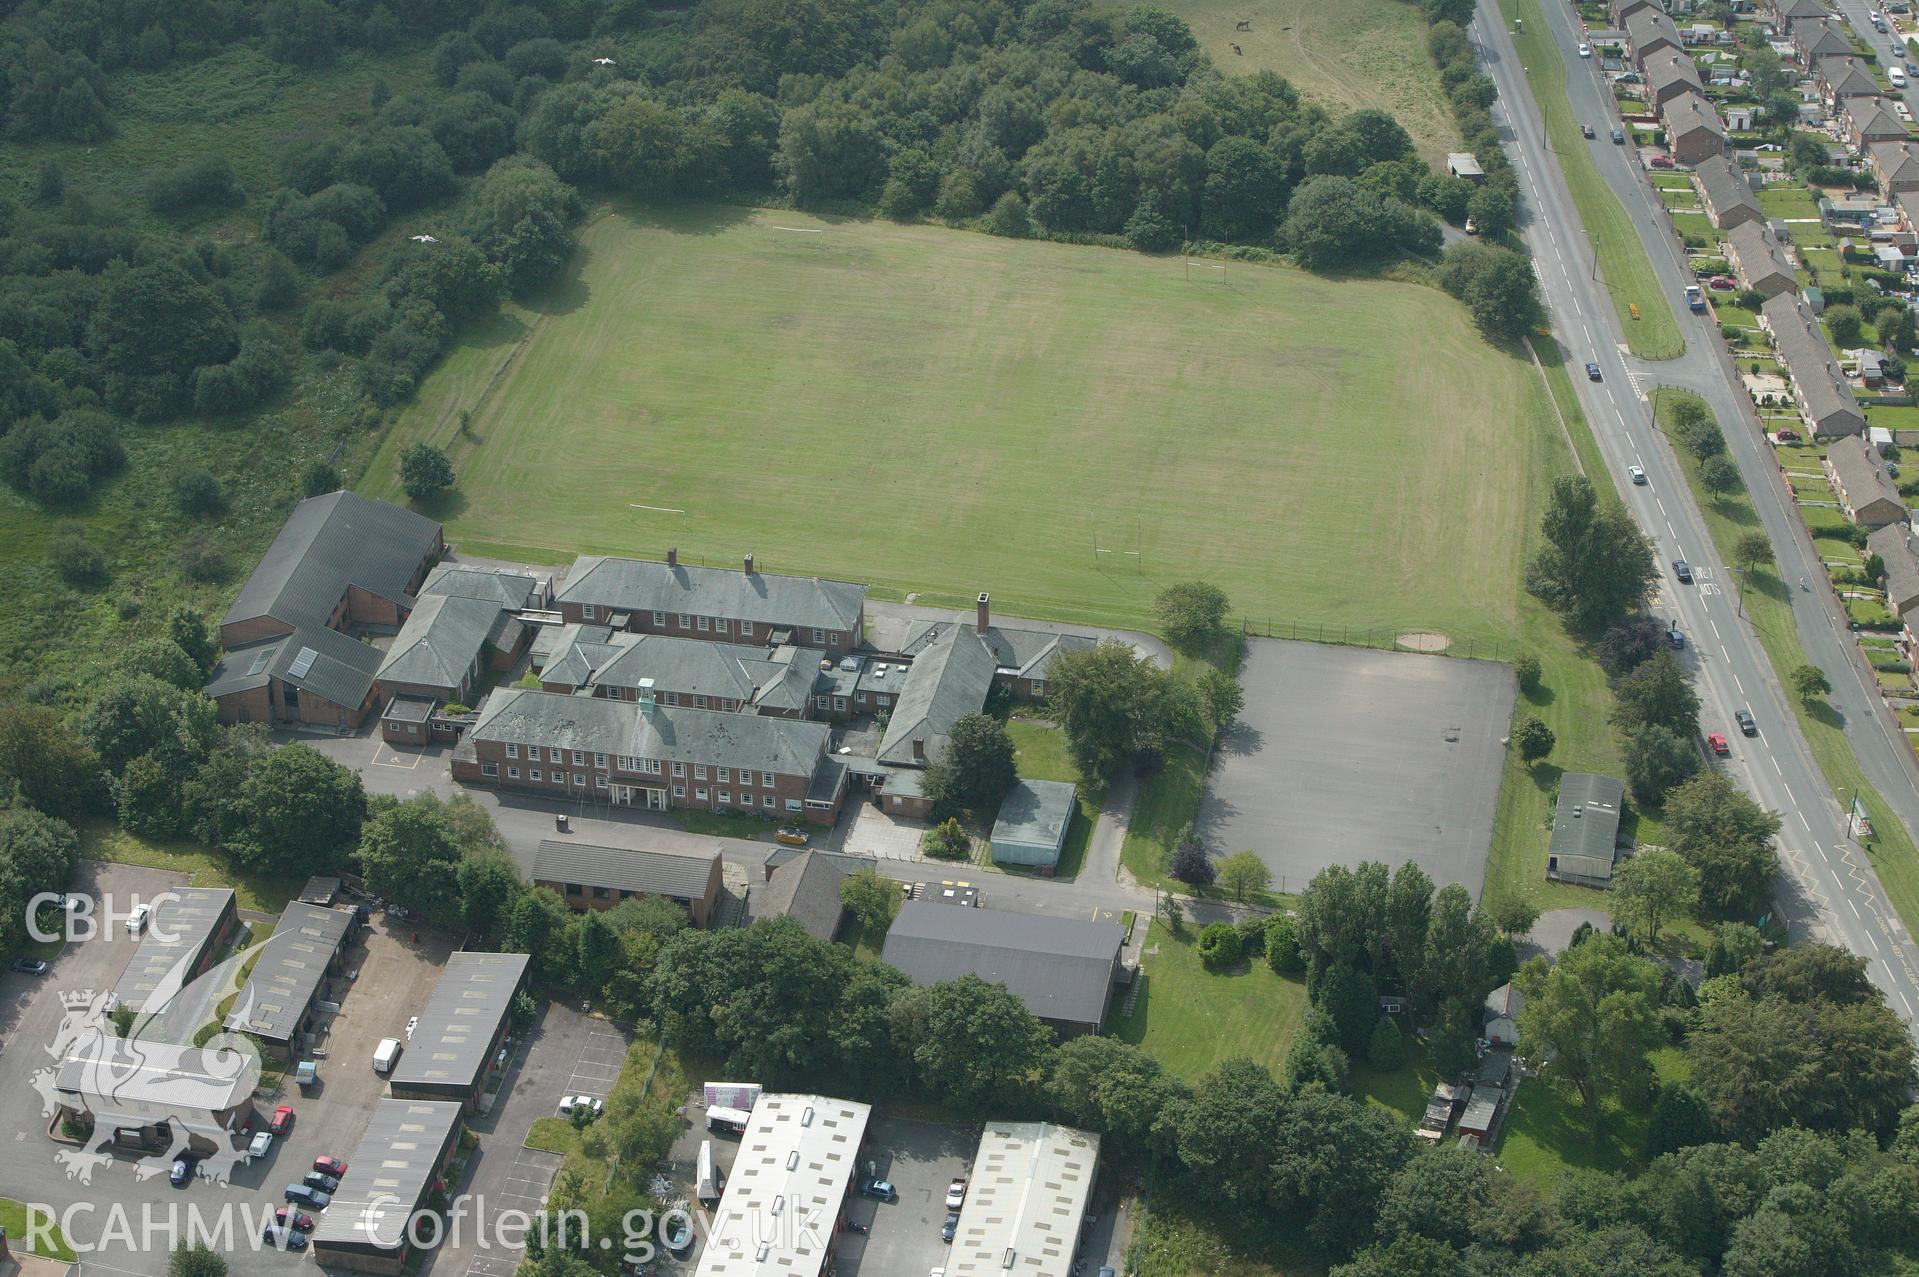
1033,823
1585,838
1465,164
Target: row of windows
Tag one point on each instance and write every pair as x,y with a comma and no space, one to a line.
647,766
712,624
723,797
607,893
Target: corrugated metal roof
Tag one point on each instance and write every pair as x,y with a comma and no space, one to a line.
788,1184
151,1081
389,1174
177,936
289,970
458,1024
1025,1200
1586,818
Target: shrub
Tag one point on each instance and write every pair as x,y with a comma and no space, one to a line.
1219,945
1252,936
947,841
1282,945
202,562
1191,865
319,479
1526,670
1009,217
79,562
198,494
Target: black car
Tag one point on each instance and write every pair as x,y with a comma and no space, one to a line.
283,1238
29,966
879,1189
182,1171
1592,371
1744,718
320,1180
1682,570
950,1227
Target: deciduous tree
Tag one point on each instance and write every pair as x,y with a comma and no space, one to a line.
1651,887
1594,1013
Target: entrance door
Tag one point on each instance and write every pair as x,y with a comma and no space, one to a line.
655,799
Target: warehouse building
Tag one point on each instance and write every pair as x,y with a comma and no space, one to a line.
289,976
184,934
454,1048
780,1213
1031,1185
1585,836
1063,969
407,1150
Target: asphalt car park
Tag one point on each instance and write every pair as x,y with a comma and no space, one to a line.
920,1160
1377,755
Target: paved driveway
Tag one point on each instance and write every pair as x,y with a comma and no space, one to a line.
1346,754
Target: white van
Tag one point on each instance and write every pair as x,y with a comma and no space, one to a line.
1897,75
386,1055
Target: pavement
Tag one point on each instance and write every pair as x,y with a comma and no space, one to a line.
1385,756
1830,889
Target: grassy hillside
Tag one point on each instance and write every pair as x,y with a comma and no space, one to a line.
1341,54
941,412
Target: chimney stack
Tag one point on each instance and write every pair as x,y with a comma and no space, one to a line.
647,701
672,556
749,565
919,749
985,611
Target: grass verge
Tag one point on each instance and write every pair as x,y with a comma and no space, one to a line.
101,839
51,1242
1622,258
1768,609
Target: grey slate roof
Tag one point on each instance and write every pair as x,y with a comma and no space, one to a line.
1873,118
643,585
441,640
1648,29
1828,400
339,668
1690,113
1845,76
1794,10
805,886
1899,161
1726,189
947,681
457,1025
327,544
389,1174
288,971
177,933
1035,812
1670,71
1758,259
1861,473
1586,823
756,742
678,874
1818,38
1899,551
514,591
1061,968
596,656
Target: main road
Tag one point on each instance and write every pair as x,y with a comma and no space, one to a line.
1831,887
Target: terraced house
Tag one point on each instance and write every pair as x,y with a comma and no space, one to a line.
643,754
714,604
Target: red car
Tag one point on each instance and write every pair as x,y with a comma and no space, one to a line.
329,1166
1721,283
282,1120
1660,161
1719,746
287,1217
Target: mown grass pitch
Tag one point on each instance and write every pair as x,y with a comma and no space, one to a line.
943,412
